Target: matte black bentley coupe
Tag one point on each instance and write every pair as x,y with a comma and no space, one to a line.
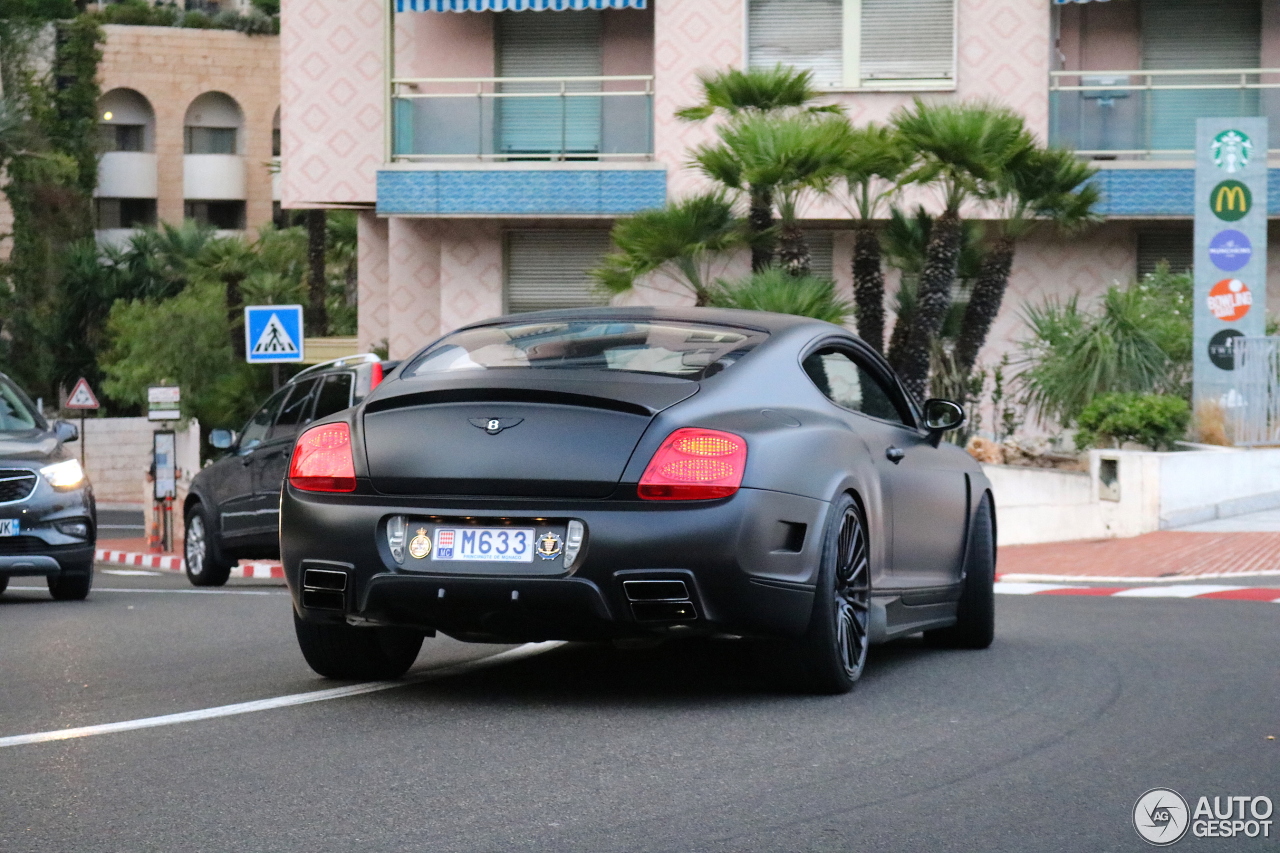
618,473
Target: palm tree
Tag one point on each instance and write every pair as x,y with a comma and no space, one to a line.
963,150
782,158
756,91
680,239
1037,185
875,160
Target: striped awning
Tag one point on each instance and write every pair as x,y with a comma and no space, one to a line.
515,5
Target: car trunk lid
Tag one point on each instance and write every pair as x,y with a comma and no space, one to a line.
509,434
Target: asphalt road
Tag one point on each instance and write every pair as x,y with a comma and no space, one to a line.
1041,743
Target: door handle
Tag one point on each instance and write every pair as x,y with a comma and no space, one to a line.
895,454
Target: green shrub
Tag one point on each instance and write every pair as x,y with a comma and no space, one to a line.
1154,420
774,289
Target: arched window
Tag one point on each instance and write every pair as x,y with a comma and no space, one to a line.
126,121
213,125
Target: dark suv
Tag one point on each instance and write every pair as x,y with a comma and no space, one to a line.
48,523
233,509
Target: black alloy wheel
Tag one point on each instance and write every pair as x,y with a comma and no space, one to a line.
852,594
204,561
833,651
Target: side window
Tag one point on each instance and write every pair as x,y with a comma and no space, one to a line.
255,431
334,396
847,385
295,412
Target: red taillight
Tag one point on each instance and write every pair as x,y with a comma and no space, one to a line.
376,375
322,460
695,465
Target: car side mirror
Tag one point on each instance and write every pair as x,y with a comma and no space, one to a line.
942,416
65,431
222,439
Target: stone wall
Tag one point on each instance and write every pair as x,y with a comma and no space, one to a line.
117,456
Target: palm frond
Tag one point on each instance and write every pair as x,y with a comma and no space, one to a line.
736,90
777,291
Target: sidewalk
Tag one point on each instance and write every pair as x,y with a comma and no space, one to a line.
1168,555
134,553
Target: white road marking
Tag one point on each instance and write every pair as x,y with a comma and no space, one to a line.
527,650
1183,591
1126,579
97,589
1013,588
129,572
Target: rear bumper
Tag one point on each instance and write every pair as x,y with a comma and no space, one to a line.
747,564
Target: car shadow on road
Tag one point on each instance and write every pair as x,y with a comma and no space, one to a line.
681,671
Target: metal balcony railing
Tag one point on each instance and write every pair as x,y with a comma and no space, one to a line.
1151,114
522,118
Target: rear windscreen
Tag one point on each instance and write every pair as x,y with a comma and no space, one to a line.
670,348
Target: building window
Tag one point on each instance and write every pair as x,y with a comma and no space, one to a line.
550,269
210,140
222,215
125,213
892,44
122,137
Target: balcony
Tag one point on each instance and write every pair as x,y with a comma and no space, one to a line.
1150,115
522,119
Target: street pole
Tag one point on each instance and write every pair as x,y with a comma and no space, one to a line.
83,439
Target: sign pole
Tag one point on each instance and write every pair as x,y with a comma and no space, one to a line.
1230,254
83,439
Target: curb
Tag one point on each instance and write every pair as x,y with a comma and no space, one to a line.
173,563
1203,590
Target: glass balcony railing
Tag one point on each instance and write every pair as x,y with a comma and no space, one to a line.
522,118
1151,114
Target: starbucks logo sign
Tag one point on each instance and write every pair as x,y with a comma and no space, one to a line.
1231,150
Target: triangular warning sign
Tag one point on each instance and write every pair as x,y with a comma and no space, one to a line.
82,396
274,340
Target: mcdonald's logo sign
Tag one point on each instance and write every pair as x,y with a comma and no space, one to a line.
1230,201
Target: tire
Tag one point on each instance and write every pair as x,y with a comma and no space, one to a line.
72,583
975,626
358,654
205,564
831,655
4,583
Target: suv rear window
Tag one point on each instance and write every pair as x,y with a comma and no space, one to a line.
667,347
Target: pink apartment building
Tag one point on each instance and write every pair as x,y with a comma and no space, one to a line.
491,144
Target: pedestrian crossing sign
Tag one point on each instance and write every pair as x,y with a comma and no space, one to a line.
272,333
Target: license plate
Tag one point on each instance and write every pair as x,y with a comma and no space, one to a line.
9,527
484,544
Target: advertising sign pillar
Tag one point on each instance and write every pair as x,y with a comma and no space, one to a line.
1230,251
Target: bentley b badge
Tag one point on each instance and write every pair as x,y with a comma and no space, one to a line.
493,426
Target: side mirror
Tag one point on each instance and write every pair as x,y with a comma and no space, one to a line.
65,431
222,439
941,416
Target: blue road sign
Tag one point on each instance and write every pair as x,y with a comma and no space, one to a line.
272,333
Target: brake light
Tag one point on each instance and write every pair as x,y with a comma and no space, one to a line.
322,460
376,375
695,465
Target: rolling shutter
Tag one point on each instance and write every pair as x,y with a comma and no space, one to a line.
1172,245
549,44
1195,34
820,264
548,269
804,33
908,40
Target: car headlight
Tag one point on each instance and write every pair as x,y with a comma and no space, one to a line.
64,475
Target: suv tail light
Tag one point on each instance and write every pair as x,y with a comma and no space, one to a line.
695,465
375,375
322,460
